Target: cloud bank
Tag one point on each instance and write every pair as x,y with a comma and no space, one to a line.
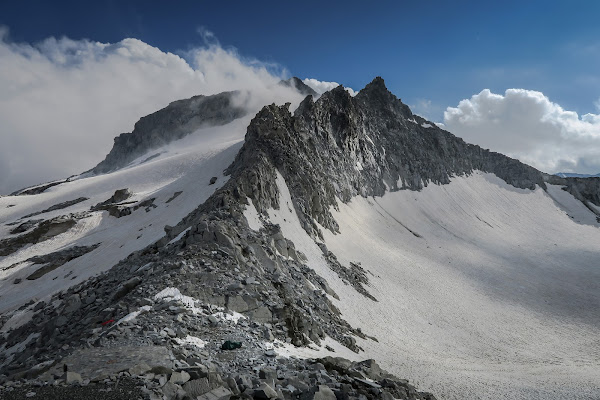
63,101
526,125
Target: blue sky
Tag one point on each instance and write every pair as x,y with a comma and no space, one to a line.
521,78
440,51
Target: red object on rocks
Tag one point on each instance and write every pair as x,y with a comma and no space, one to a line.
108,322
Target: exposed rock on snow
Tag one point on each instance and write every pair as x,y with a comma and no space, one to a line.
54,260
43,231
173,122
586,190
58,206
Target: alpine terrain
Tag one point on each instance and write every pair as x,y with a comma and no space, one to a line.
333,247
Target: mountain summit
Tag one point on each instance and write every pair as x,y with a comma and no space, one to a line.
320,251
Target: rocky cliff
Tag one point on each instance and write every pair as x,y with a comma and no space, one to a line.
586,190
178,119
342,146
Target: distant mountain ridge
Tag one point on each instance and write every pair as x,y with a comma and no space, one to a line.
177,120
173,122
576,175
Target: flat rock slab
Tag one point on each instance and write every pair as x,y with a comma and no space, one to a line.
100,362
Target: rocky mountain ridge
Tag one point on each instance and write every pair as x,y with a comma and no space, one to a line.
342,146
213,302
178,119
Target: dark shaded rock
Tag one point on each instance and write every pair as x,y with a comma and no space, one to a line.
58,206
126,287
54,260
230,345
25,226
44,231
173,122
265,392
36,189
175,195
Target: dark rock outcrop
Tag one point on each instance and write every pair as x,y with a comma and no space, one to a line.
177,120
58,206
56,259
586,190
43,231
342,146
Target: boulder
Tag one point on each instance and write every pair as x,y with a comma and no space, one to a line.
179,378
197,387
218,393
126,287
265,392
72,377
139,369
73,304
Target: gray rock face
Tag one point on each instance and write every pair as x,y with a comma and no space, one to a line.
58,206
56,259
584,189
43,231
173,122
347,146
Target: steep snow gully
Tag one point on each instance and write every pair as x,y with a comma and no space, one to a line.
478,276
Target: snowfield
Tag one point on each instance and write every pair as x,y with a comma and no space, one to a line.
186,165
484,291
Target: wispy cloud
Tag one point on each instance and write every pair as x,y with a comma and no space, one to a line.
63,101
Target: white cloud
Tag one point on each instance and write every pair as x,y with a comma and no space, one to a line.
63,101
526,125
322,86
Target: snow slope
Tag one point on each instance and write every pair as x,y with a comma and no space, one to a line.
186,165
495,294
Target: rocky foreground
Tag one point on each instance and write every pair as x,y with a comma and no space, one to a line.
132,333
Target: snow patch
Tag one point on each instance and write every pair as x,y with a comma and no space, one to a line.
574,208
191,340
178,237
173,294
133,315
252,216
313,351
231,316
